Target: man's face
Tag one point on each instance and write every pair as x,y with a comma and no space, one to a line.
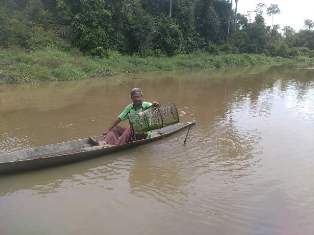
137,99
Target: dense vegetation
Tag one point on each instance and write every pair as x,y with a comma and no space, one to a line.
147,27
75,39
55,64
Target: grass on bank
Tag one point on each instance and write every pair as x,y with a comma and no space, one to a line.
17,65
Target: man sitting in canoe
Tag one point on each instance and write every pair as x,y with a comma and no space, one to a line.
117,135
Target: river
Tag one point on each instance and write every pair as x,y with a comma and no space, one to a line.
247,167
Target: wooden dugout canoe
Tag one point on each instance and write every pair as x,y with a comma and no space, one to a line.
72,151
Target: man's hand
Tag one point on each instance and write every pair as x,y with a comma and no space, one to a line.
105,133
155,103
116,122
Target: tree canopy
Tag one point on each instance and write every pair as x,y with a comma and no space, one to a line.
147,27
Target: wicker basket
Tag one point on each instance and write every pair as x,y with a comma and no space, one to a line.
154,118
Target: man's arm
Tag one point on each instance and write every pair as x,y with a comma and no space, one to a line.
122,116
147,105
115,123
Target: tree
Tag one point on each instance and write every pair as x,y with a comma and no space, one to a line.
147,27
141,30
289,35
288,31
92,27
206,20
236,10
309,23
255,36
223,9
183,15
273,10
229,19
157,8
170,8
305,38
260,8
168,38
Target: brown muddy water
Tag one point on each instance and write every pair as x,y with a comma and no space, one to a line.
248,166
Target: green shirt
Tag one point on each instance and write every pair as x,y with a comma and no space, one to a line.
131,110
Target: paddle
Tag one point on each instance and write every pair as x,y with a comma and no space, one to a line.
187,134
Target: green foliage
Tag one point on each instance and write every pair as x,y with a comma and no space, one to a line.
207,21
289,36
92,27
13,30
169,37
253,38
141,31
16,65
305,38
146,28
309,23
279,49
212,49
68,72
300,51
25,24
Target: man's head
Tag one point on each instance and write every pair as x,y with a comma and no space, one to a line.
137,96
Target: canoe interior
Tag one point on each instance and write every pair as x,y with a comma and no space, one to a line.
79,146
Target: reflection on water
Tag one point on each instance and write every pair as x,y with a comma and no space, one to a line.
247,167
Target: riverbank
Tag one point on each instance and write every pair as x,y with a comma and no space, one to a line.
55,65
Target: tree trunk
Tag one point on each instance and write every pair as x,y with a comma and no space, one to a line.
229,20
170,8
235,12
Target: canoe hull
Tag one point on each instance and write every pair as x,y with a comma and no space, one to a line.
25,161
